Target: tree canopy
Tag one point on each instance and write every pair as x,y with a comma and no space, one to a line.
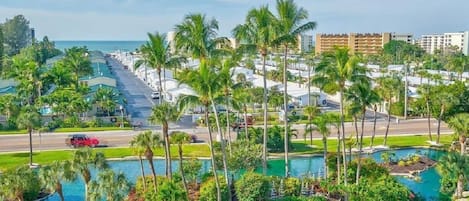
17,34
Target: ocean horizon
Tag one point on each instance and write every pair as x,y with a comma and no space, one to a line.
106,46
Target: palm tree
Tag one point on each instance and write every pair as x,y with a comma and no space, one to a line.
83,160
163,114
322,122
331,74
205,83
244,97
157,54
140,151
59,75
258,31
362,95
460,124
51,176
106,98
29,119
109,185
78,62
148,141
455,166
288,27
181,138
388,88
8,105
444,101
197,36
311,112
425,92
16,182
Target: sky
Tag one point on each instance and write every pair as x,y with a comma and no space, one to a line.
132,19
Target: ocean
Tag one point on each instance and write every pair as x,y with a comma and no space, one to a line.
104,46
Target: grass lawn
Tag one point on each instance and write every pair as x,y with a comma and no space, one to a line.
11,160
13,132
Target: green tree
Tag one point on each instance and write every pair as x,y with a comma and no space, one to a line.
157,54
77,61
83,160
197,36
181,138
170,190
460,124
444,101
331,74
321,124
19,184
147,141
424,91
288,25
311,112
106,99
110,186
387,90
8,105
455,166
139,151
30,120
257,31
362,95
53,175
2,49
59,75
28,74
16,34
163,114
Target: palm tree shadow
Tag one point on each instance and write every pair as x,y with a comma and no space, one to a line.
23,155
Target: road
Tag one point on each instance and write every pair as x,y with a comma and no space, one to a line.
52,141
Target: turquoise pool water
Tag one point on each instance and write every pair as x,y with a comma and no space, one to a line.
428,186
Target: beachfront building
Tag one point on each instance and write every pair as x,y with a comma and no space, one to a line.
446,42
406,37
367,43
305,43
170,39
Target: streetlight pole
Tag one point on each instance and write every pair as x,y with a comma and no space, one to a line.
406,89
122,115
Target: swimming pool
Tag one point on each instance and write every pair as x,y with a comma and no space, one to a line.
428,186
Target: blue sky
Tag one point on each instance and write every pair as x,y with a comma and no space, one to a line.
132,19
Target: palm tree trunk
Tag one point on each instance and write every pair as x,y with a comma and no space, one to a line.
310,130
181,168
264,104
167,151
387,125
212,154
58,189
285,109
428,120
30,131
246,121
160,86
343,133
439,124
462,142
460,186
338,155
223,151
143,173
360,147
324,142
355,123
228,130
149,156
374,126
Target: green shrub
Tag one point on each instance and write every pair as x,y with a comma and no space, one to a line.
397,109
300,198
252,187
95,122
415,158
401,163
409,162
291,186
169,190
208,190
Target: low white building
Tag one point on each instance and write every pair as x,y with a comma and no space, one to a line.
248,73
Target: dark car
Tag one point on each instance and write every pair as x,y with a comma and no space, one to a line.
81,140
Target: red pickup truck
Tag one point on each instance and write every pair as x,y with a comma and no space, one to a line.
81,140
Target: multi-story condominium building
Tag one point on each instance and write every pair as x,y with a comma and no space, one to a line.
408,38
432,42
446,42
368,43
305,42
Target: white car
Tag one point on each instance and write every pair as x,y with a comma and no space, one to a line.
155,95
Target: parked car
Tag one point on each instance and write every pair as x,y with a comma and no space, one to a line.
81,140
240,124
155,95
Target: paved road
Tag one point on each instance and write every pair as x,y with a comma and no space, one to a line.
50,141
